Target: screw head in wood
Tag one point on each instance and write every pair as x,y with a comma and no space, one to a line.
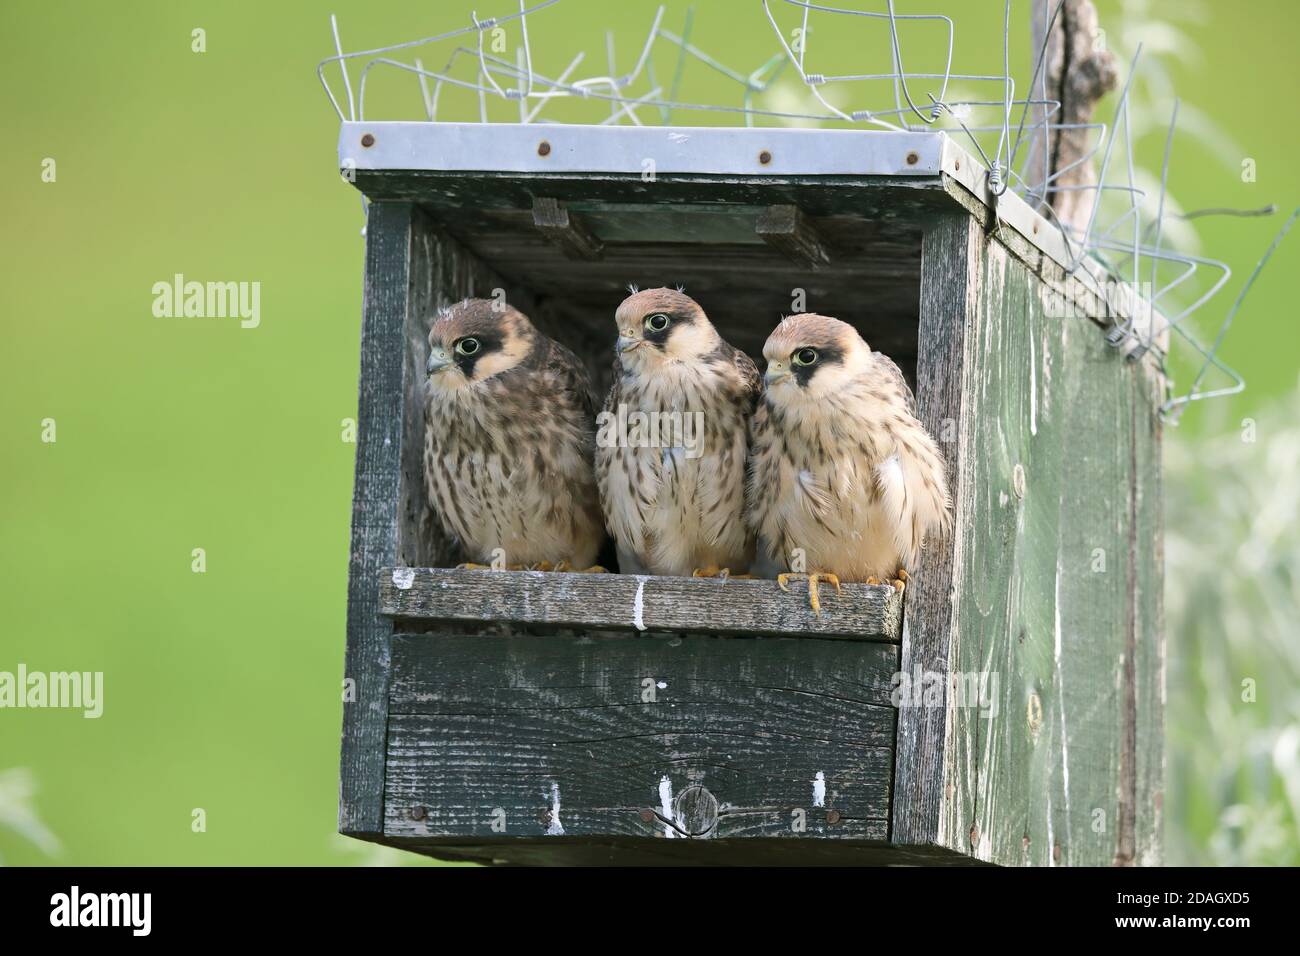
1056,853
544,816
543,148
647,816
913,159
418,813
974,835
368,140
832,817
1018,480
764,157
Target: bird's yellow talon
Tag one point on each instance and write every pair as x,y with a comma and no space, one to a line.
594,569
471,566
813,600
873,580
548,566
715,572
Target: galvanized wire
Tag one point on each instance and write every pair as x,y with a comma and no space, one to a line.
498,79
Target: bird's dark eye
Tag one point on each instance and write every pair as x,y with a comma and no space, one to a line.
657,322
805,357
467,346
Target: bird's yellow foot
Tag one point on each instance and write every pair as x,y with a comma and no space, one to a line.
471,566
813,601
564,565
715,572
899,582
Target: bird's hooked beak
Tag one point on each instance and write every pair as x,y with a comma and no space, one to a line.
438,360
627,341
776,374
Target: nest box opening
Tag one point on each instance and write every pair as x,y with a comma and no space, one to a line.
753,224
747,263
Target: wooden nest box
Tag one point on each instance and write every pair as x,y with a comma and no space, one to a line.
1006,708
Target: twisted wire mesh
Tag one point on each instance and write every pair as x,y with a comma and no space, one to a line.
637,97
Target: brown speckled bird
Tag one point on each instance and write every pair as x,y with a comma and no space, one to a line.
672,442
509,440
845,483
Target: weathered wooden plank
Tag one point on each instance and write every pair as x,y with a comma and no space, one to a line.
882,198
1148,615
380,415
951,266
620,602
410,271
566,231
790,232
1045,618
637,851
790,738
420,536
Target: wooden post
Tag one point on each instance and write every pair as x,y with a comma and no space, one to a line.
380,414
1077,71
951,274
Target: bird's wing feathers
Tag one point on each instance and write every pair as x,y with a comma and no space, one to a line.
624,495
895,374
913,492
749,374
574,378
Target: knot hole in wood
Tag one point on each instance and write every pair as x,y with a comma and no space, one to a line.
695,811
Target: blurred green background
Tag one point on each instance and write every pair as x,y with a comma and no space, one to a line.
222,688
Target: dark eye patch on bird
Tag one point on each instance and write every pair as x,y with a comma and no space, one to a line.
658,337
488,342
826,355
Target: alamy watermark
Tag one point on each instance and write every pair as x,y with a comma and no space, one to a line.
75,690
922,688
75,908
1120,298
624,429
208,300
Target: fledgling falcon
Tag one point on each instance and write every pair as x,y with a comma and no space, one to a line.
508,440
840,467
672,484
